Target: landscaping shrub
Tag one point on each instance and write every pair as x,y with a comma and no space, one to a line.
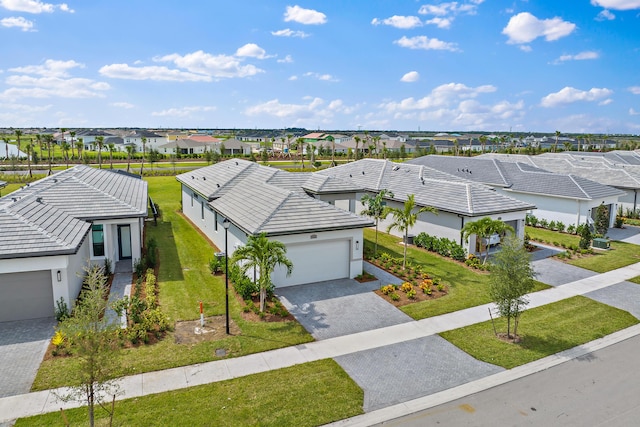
443,246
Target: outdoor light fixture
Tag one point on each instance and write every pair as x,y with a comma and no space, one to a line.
226,225
357,244
59,274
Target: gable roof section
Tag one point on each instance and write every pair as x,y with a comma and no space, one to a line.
431,187
89,194
486,171
261,199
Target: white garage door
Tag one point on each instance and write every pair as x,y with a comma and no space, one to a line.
26,295
315,262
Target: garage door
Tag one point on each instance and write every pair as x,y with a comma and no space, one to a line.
315,262
26,295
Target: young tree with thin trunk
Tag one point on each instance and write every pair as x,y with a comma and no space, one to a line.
510,280
404,219
265,255
94,340
374,208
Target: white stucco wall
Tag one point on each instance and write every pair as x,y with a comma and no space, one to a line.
110,229
631,200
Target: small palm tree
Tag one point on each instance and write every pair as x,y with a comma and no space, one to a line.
65,150
265,255
405,218
18,135
73,135
374,208
6,146
300,142
333,150
483,229
100,144
29,149
357,140
144,149
112,147
79,147
48,139
555,146
483,142
130,151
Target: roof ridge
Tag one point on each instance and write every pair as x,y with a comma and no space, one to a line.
35,226
498,166
119,201
277,209
578,185
381,176
469,198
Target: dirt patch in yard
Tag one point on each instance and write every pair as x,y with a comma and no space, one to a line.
190,331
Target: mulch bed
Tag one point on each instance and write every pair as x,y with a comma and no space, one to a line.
404,300
268,317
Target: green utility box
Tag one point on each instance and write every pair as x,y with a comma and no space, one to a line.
600,243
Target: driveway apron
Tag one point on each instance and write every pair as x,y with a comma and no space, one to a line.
339,307
556,273
623,295
22,346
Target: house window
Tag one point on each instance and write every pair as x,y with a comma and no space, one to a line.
97,238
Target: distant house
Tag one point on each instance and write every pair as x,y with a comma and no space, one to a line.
189,146
323,242
235,147
458,200
51,228
152,140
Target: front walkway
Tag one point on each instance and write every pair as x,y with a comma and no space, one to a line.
187,376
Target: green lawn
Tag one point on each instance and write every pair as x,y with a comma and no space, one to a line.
620,255
552,237
184,280
467,288
544,330
304,395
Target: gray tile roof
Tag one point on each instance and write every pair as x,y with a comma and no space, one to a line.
89,193
261,199
519,177
431,187
31,228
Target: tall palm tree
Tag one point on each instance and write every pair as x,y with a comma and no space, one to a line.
18,134
555,146
300,142
62,138
48,139
6,146
73,135
376,141
357,140
374,208
264,255
112,147
79,146
130,150
289,136
483,229
384,149
405,218
483,142
144,149
65,150
455,147
99,144
29,149
333,150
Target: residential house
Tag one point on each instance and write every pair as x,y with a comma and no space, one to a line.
152,140
193,145
53,227
458,200
323,242
234,147
89,136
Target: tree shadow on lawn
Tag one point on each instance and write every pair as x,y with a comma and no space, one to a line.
170,266
544,345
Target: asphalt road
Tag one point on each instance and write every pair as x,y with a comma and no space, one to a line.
599,389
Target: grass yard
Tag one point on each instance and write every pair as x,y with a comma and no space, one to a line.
544,330
553,237
184,280
620,255
467,288
304,395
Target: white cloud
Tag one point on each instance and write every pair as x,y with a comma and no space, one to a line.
153,72
182,112
287,32
524,28
635,90
124,105
589,54
293,78
605,15
319,76
445,13
424,42
287,59
252,50
25,108
441,96
410,77
18,22
276,109
50,68
440,22
568,95
606,102
33,6
617,4
633,112
403,22
304,16
216,66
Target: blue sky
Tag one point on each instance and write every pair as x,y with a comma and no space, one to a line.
482,65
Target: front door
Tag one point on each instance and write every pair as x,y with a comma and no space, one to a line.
124,241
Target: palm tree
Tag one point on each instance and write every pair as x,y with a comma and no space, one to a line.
333,150
300,142
567,145
455,147
555,146
65,150
405,218
374,207
289,136
18,133
483,229
265,255
79,146
112,147
376,140
357,140
130,150
6,146
29,149
99,144
73,135
384,149
483,142
144,149
62,138
48,139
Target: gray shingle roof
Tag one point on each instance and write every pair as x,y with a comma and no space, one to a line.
431,187
519,177
261,199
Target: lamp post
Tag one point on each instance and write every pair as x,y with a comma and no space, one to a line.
226,225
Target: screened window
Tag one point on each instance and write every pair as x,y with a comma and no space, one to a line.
97,238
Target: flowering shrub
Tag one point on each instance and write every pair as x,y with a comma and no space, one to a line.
388,289
411,294
406,287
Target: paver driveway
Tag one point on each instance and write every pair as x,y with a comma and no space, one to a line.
22,346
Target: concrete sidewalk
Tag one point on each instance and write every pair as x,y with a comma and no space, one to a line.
178,378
